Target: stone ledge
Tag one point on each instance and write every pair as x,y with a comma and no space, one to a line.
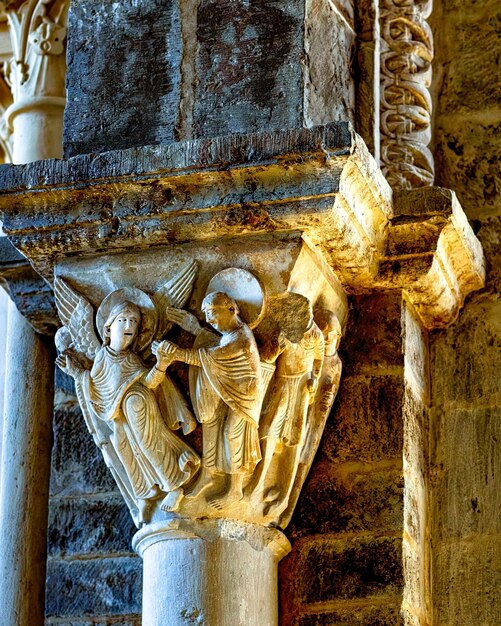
31,294
319,182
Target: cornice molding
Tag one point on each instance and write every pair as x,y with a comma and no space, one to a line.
319,182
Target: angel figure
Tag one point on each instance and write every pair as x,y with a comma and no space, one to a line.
299,357
318,412
130,409
225,386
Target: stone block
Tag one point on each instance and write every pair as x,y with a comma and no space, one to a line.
370,614
117,96
333,501
466,160
248,66
372,338
82,526
326,569
93,587
366,422
330,47
489,235
466,358
467,579
77,465
466,496
133,620
470,59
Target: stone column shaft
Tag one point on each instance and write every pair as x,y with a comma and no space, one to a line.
25,470
215,573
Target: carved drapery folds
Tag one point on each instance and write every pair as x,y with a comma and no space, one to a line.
208,373
406,55
261,371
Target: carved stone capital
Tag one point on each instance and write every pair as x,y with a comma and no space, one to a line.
203,288
36,73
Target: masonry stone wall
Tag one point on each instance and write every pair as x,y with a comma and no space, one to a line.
402,488
465,462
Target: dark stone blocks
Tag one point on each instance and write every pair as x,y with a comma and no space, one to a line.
248,65
110,586
77,464
323,569
116,97
79,526
366,424
336,501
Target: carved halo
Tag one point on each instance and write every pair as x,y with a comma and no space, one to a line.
245,289
149,317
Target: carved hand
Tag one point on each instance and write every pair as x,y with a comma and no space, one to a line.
186,320
312,384
165,352
68,365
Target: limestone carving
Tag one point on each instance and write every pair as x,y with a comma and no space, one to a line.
261,373
299,357
318,412
226,388
130,409
38,32
406,56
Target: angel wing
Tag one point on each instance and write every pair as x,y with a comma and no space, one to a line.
77,315
174,293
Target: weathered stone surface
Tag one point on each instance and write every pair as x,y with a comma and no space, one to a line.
466,359
329,48
337,500
467,498
94,587
467,149
325,569
89,526
248,65
489,234
122,620
467,581
366,424
30,293
373,334
373,613
77,464
469,61
117,99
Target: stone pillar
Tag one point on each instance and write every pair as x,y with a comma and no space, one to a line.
37,126
36,74
259,247
25,466
210,572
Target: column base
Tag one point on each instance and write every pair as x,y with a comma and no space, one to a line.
213,572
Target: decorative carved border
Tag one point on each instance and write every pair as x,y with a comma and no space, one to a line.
406,56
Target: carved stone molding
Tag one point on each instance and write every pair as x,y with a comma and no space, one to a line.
406,56
30,293
38,34
320,182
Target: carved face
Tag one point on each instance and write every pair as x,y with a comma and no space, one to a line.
221,318
124,329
